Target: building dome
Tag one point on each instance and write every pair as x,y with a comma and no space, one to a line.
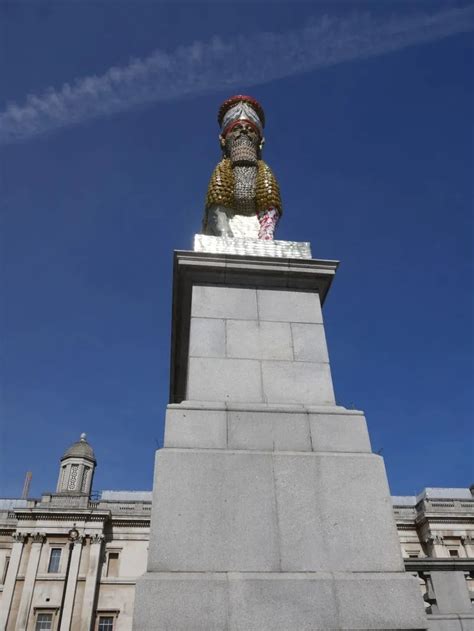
80,449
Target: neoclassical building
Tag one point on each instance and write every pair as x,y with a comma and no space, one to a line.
69,561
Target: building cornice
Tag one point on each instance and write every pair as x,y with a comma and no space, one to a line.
445,519
428,564
66,514
140,522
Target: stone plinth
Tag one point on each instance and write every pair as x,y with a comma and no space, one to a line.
244,326
269,510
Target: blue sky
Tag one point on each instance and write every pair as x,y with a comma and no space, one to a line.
108,136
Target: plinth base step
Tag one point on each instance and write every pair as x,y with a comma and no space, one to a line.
233,601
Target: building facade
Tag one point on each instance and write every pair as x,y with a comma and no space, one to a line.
69,561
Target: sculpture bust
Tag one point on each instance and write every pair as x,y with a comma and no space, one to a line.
243,198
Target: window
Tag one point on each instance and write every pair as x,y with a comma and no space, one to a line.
454,553
54,559
113,564
106,623
44,622
413,555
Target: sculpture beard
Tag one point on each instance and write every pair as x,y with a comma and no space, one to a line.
243,153
233,205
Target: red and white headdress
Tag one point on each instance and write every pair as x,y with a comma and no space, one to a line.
241,108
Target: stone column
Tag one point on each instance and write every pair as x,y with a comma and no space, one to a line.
9,587
71,584
30,579
468,543
439,549
91,582
435,546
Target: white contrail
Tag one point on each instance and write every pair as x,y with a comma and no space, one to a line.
217,64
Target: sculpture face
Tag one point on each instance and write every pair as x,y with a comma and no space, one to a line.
241,144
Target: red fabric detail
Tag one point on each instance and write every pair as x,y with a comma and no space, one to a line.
231,126
268,220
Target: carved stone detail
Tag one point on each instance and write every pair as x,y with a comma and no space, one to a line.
38,537
19,537
97,538
437,540
75,536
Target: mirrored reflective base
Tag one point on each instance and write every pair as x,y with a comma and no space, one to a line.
252,247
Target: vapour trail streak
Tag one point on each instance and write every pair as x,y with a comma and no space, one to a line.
217,64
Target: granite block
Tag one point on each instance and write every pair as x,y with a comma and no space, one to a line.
257,426
206,429
213,379
268,431
259,340
278,602
297,382
309,342
378,602
339,432
262,511
207,337
335,513
213,511
289,306
224,302
181,602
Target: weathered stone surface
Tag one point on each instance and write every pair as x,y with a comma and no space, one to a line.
177,602
297,382
315,494
309,342
224,380
269,514
196,428
265,427
277,602
339,432
452,594
270,431
289,306
224,302
215,511
259,340
375,600
263,511
224,286
451,622
207,337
